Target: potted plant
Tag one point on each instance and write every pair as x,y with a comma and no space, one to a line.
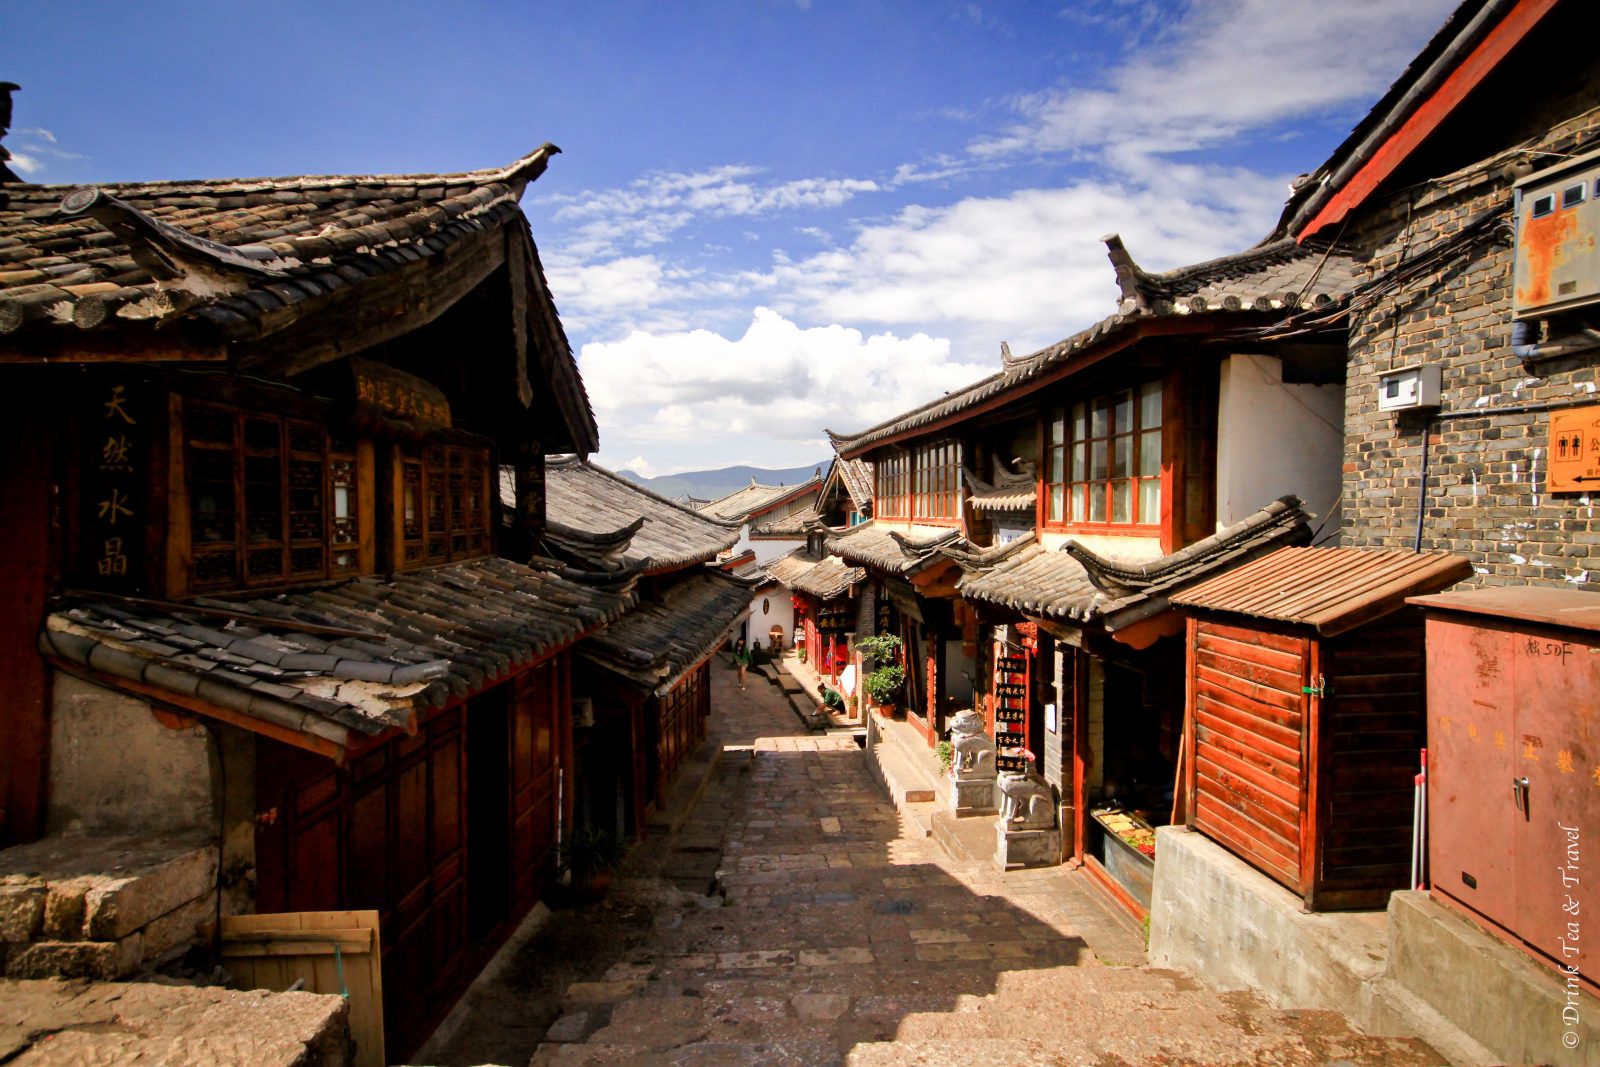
590,854
883,684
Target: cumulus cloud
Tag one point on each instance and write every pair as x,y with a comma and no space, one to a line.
764,396
33,149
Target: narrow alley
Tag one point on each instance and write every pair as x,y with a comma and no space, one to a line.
831,936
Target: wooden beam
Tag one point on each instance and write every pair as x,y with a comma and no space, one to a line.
378,310
115,347
1430,114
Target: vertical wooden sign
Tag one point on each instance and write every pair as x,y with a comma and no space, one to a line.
1010,710
113,505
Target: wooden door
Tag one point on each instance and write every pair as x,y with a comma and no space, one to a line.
534,770
1249,777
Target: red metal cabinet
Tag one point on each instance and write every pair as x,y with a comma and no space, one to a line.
1514,762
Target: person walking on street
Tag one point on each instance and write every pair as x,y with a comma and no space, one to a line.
741,659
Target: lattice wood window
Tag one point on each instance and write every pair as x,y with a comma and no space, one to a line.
938,481
891,494
1104,460
259,493
444,504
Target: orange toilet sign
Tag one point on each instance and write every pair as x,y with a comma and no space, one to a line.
1574,451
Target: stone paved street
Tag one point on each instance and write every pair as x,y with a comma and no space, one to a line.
833,937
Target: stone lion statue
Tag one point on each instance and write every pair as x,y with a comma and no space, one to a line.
1026,802
973,755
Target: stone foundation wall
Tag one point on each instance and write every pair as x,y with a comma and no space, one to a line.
102,907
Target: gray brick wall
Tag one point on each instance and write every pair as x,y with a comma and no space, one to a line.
1486,469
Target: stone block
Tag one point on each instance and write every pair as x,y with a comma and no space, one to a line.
116,907
972,797
21,912
100,960
174,932
64,908
1026,848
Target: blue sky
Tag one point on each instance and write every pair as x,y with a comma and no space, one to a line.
769,217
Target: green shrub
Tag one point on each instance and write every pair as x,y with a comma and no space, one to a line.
946,753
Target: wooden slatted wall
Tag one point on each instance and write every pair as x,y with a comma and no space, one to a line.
1375,723
1247,780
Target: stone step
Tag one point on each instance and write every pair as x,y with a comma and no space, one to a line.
1394,1009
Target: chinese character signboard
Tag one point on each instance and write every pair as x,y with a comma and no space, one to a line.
1574,452
115,424
1010,710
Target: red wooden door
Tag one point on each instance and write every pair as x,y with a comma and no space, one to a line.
1249,774
534,761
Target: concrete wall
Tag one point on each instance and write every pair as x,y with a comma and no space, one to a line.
1134,549
1275,438
766,550
115,769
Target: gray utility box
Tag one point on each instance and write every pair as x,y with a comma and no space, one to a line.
1558,218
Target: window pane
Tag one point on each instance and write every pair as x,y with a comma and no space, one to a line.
1055,502
1150,405
1121,456
1098,461
1080,462
1058,430
1079,498
1055,464
1150,452
1124,412
1080,424
1101,425
1097,503
1150,500
1122,501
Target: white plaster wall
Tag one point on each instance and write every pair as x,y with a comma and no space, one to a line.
1274,439
1131,549
780,612
115,769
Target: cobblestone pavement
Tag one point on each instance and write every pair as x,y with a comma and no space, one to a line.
833,937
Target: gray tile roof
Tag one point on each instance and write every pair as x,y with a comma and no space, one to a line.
583,497
742,505
824,579
232,261
661,640
890,549
363,656
1077,585
1262,284
1009,491
796,524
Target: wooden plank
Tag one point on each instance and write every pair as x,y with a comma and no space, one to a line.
1212,680
1250,636
1213,687
1247,841
1278,659
1275,749
1284,681
270,968
1230,781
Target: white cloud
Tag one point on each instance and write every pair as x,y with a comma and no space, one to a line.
1224,67
33,148
764,396
1027,267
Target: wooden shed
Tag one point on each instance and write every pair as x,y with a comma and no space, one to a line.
1306,714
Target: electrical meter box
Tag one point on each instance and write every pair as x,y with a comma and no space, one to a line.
1558,217
1409,387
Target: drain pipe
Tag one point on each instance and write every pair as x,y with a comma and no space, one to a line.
1422,487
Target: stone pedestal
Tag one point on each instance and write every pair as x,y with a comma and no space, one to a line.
972,796
1025,848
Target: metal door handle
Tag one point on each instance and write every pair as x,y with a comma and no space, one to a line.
1519,793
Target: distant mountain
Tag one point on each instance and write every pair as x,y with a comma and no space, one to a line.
710,485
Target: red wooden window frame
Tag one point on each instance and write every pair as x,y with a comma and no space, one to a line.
443,505
1121,472
937,479
892,496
